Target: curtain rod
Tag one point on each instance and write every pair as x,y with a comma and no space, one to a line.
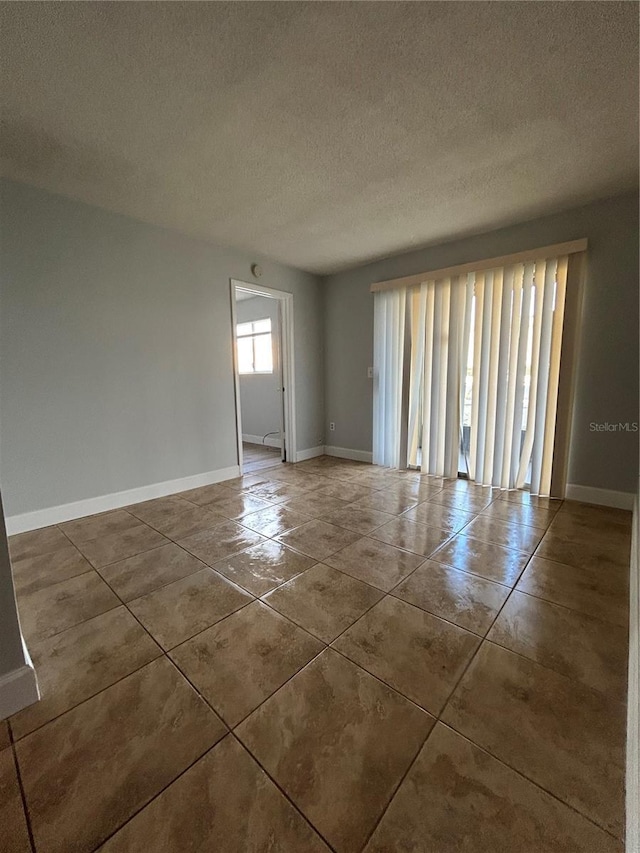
553,251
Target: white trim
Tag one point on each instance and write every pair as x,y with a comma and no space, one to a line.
91,506
269,441
18,688
347,453
287,358
602,497
633,706
236,375
259,289
544,252
311,453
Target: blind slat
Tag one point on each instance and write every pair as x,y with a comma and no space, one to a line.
512,372
506,332
554,378
543,374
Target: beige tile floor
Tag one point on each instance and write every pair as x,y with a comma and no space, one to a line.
256,457
327,656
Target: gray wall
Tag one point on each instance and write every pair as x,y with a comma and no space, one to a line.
116,355
607,379
116,351
11,650
260,395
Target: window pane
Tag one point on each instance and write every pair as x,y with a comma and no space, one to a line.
262,326
264,354
243,329
245,355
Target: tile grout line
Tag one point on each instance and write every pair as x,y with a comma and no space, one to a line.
455,688
388,686
299,627
555,671
255,598
282,791
155,796
442,710
238,521
229,730
224,577
165,654
144,628
532,782
284,683
23,796
437,720
262,702
566,606
483,638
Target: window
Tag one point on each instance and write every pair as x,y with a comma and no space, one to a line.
476,388
255,349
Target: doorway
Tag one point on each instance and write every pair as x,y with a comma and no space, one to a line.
262,328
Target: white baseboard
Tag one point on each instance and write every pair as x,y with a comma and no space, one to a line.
602,497
18,688
633,693
347,453
269,441
311,453
91,506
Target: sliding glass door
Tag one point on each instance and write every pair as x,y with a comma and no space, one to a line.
468,369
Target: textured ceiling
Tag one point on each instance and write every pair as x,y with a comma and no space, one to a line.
322,134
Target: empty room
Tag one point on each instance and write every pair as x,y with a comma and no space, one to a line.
319,427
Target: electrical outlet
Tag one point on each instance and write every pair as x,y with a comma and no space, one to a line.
369,372
332,426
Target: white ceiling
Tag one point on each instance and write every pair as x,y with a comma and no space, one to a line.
322,134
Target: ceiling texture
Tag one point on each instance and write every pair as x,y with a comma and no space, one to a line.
322,135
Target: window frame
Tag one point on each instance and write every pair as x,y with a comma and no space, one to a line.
251,336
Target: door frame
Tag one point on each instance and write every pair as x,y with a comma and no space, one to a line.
285,300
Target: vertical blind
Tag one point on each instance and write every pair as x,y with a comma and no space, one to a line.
388,354
484,366
440,325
